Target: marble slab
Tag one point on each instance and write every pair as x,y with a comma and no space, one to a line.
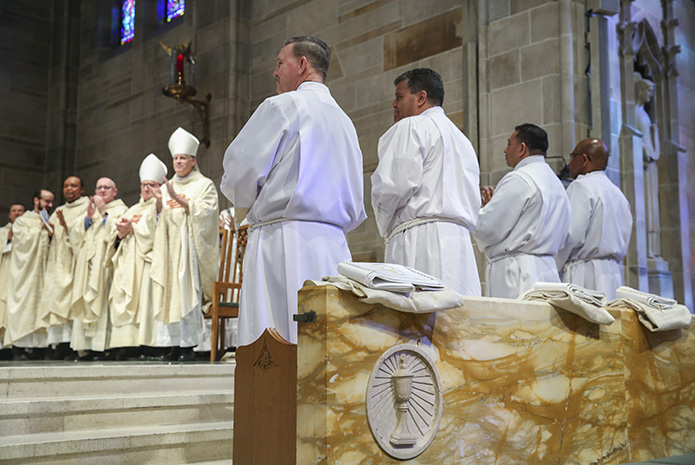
522,383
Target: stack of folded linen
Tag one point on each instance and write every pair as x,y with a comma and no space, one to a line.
656,313
395,286
576,299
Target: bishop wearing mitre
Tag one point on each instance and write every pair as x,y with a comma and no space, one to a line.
186,250
130,299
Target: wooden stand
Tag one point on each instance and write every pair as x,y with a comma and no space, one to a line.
265,402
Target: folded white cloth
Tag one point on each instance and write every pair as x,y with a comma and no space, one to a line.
389,277
656,313
653,300
413,302
575,299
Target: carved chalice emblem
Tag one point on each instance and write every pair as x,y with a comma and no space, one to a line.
402,386
404,401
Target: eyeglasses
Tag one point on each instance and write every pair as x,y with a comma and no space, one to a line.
104,188
572,155
151,185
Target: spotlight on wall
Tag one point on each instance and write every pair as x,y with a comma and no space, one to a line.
181,58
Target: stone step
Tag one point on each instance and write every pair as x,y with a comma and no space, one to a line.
42,415
170,444
69,379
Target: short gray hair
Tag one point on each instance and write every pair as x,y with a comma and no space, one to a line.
315,50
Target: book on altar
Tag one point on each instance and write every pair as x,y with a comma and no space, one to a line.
389,277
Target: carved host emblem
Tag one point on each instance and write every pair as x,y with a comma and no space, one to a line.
404,401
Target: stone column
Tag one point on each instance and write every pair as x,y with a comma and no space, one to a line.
62,94
632,174
673,181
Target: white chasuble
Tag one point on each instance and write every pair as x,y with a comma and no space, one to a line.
26,281
65,245
130,299
186,249
5,254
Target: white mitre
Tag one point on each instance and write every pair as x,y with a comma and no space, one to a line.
183,142
152,169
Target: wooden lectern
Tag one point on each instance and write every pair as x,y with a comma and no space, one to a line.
265,401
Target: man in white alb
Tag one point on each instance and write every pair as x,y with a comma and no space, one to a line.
296,167
601,223
524,221
426,189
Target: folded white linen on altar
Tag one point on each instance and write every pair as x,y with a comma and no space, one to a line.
586,303
653,300
389,277
656,313
413,302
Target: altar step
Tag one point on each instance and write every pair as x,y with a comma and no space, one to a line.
116,413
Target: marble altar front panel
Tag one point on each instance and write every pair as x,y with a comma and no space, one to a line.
522,383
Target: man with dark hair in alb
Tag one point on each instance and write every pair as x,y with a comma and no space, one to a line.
523,225
425,191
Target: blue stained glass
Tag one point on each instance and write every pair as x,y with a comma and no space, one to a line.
175,8
127,21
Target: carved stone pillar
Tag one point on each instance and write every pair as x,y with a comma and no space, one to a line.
632,174
673,182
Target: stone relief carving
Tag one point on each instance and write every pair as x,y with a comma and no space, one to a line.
404,401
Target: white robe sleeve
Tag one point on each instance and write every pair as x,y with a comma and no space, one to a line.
251,155
399,173
581,205
497,219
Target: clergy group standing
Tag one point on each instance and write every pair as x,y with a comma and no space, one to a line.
97,275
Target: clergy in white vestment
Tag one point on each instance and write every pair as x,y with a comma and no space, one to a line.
522,226
67,239
6,233
426,189
296,167
92,274
601,223
130,300
25,330
186,250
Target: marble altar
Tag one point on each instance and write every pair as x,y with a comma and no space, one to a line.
522,383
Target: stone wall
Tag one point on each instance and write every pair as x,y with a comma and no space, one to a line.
25,31
122,114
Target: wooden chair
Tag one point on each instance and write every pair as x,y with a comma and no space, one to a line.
225,291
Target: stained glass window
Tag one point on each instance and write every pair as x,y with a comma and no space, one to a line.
127,21
175,8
